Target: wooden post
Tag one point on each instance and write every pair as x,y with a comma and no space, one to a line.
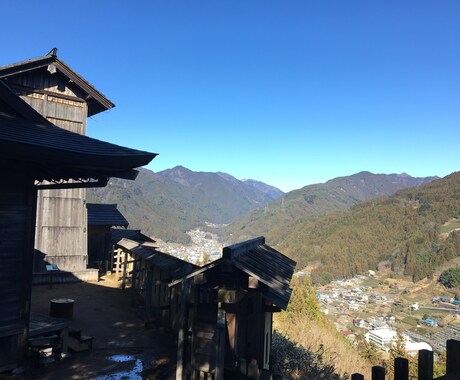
220,354
425,365
123,284
148,295
378,373
181,364
112,253
401,369
453,357
357,376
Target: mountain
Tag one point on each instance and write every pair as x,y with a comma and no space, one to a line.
271,191
413,232
315,200
169,203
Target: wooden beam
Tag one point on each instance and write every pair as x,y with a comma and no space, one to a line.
425,365
378,373
221,333
401,369
181,364
453,357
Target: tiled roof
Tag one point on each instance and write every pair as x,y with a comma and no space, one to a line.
105,215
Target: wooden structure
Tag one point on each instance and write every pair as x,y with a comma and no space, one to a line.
118,255
425,366
35,155
65,99
225,320
101,217
150,274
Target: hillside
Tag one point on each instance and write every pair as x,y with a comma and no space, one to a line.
315,200
169,203
271,191
403,230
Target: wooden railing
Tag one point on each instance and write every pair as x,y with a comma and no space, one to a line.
425,366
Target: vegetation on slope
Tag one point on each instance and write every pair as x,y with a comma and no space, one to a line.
317,200
450,278
330,355
402,230
169,203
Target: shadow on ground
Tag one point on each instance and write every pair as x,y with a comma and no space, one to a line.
122,347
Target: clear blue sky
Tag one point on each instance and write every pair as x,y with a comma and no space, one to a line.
286,92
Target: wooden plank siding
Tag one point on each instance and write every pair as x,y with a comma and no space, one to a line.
61,216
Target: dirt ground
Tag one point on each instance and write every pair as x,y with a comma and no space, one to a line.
122,347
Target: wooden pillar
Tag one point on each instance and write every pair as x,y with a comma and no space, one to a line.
220,353
357,376
181,365
453,357
401,369
425,365
125,263
378,373
148,295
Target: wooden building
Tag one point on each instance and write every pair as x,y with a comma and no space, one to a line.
101,217
150,274
36,155
225,326
65,99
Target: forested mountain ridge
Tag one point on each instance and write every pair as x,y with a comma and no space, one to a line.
169,203
402,230
319,199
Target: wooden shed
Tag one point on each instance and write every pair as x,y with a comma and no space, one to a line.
36,155
101,217
226,330
66,99
150,274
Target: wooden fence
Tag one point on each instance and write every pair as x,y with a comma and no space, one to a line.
122,264
425,366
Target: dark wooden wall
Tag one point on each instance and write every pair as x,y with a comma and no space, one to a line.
61,230
99,247
17,219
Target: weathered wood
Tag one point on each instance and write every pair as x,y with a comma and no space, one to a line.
453,357
181,360
401,369
61,216
125,263
378,373
221,333
425,365
17,222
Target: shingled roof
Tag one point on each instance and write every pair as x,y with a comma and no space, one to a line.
162,260
136,235
260,261
97,102
105,215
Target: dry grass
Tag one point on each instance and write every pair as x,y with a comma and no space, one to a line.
325,340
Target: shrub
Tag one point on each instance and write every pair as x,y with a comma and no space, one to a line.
450,278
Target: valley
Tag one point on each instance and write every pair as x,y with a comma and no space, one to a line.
423,312
205,247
